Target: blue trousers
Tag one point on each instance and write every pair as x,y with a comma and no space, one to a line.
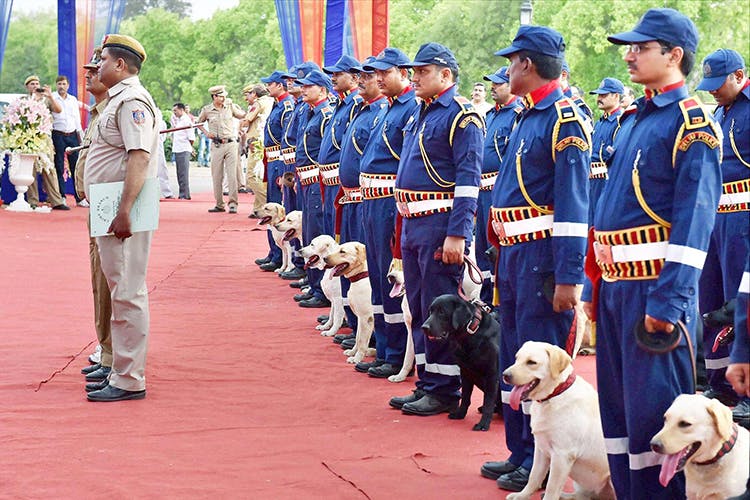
273,195
390,329
596,186
425,279
312,226
526,314
481,244
352,229
329,209
728,251
635,389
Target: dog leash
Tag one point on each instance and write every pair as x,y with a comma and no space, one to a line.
663,342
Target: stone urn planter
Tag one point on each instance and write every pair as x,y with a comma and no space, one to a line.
21,174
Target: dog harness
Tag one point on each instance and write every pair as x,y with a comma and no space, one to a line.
726,447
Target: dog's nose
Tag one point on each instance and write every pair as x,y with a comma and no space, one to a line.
391,279
508,377
426,328
657,446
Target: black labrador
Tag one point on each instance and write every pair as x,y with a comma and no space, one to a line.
474,336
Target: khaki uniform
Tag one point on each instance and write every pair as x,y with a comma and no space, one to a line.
126,124
99,286
224,149
255,134
50,182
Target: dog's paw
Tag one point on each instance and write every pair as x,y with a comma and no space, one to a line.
328,333
351,359
396,378
320,328
458,414
481,426
349,352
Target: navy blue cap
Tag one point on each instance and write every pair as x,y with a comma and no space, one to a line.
304,68
387,59
499,76
275,77
537,39
315,77
610,86
365,63
668,25
717,65
433,53
345,63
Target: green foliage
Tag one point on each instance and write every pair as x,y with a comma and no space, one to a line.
135,8
31,49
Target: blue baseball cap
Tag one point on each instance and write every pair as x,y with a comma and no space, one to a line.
565,66
499,76
387,59
302,69
537,39
345,63
365,63
433,53
610,86
315,77
668,25
275,77
717,65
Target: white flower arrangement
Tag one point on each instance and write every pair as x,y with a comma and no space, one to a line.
26,128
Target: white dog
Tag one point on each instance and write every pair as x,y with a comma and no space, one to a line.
700,437
284,228
350,261
565,422
314,254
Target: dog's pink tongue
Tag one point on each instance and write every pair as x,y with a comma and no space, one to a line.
396,290
515,396
669,467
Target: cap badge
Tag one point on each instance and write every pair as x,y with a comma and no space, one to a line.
706,69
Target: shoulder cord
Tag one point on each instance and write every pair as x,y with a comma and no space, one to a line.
523,186
428,164
734,146
636,179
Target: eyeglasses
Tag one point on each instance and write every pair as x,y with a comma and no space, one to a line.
637,48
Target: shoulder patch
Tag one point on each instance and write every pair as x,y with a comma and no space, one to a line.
472,118
571,141
698,136
288,105
327,112
694,114
566,111
139,117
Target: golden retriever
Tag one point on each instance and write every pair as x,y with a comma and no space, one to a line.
695,437
350,261
565,422
284,228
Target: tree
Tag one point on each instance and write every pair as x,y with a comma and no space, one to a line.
31,49
135,8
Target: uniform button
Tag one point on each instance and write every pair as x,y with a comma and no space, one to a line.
580,257
684,305
691,291
538,294
579,268
535,268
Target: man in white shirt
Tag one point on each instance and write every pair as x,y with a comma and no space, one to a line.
66,132
182,147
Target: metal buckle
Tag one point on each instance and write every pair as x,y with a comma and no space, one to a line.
499,229
603,253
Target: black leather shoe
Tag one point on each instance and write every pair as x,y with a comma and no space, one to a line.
322,319
384,371
429,405
270,266
493,470
61,206
264,260
362,367
98,375
97,386
399,401
299,284
112,393
302,296
515,480
741,413
340,337
216,210
294,274
91,368
725,398
349,343
314,302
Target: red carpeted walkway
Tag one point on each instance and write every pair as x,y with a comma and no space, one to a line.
245,399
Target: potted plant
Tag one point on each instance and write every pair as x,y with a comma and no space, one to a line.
25,135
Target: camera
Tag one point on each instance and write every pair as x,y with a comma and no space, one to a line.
40,90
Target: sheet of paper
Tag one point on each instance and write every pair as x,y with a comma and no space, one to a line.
105,200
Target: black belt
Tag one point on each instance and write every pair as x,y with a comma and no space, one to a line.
223,141
65,133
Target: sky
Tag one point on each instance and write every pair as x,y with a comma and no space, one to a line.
201,9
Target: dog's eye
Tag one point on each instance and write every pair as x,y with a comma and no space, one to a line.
682,424
531,362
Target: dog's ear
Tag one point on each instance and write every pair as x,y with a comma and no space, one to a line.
461,315
361,253
282,212
722,417
558,360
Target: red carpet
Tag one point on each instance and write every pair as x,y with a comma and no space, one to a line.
245,399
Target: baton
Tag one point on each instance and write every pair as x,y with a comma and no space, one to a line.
79,148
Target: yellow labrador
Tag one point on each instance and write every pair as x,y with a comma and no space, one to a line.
351,262
700,437
314,254
284,228
565,422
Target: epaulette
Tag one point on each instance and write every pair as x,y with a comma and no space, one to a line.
468,115
327,112
566,111
465,104
288,105
582,105
694,113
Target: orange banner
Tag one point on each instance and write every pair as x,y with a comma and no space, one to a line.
311,24
380,31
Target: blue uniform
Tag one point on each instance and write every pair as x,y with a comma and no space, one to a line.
539,221
276,123
436,191
378,167
651,238
330,153
602,139
729,249
308,172
741,345
499,123
289,152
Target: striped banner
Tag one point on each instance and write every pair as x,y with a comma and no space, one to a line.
5,7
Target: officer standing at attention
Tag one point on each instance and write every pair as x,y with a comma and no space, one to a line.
436,192
608,97
650,244
539,222
224,153
725,79
124,148
378,167
499,120
315,93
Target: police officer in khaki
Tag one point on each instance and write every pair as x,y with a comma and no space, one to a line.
224,151
251,131
123,148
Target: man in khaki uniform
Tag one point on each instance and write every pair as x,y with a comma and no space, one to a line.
224,151
124,147
97,373
49,176
259,106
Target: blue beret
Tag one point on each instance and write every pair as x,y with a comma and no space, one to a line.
668,25
537,39
716,67
500,76
610,86
387,59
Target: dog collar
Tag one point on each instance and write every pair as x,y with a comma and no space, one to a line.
562,387
726,447
475,321
358,276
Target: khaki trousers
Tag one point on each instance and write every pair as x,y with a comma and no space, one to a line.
51,186
224,163
124,263
102,303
